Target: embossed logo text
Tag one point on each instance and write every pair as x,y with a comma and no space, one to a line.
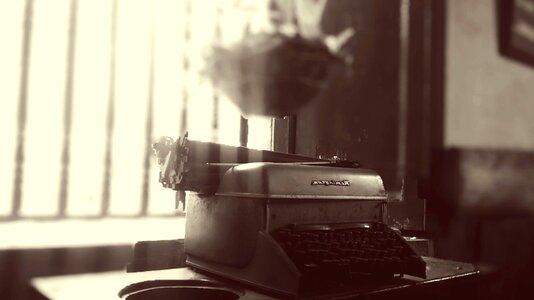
331,182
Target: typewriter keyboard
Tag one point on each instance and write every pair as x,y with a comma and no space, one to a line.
349,250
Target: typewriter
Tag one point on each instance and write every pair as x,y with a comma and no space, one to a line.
283,223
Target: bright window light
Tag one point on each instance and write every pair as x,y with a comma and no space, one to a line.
144,76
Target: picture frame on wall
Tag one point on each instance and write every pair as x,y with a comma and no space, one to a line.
516,29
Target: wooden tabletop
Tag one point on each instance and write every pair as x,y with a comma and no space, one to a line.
107,285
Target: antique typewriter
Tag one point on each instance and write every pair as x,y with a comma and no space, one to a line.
283,223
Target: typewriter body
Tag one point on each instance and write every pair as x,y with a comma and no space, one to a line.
283,223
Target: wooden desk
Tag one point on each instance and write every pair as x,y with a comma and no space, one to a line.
442,275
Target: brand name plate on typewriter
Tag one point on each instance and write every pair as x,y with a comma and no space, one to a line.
331,182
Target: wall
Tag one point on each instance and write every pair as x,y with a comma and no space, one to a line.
489,98
482,196
489,108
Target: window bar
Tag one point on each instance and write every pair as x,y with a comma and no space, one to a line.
283,135
180,195
149,123
22,107
106,192
427,81
243,132
185,66
65,158
404,47
218,37
215,118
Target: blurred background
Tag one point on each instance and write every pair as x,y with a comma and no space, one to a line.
438,98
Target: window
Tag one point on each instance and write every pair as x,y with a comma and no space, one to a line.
87,85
